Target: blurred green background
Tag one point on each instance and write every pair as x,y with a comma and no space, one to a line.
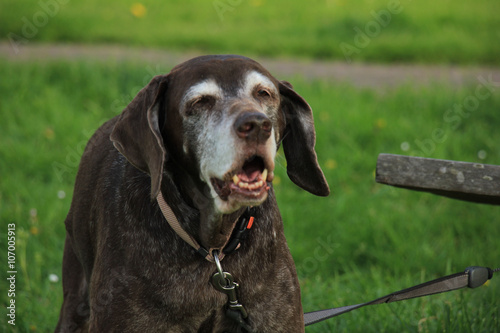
365,240
389,30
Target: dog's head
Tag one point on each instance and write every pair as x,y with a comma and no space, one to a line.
222,119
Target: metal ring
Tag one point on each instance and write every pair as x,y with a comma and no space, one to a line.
217,263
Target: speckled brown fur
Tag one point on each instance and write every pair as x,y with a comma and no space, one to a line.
125,270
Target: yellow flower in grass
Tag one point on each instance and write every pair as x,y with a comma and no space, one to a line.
34,230
138,10
49,133
331,164
380,123
324,116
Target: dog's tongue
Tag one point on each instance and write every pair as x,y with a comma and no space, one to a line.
251,171
249,174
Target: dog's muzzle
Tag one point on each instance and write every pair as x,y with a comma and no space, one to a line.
249,180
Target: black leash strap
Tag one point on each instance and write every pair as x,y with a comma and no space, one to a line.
472,277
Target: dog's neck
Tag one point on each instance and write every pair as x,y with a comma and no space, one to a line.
193,207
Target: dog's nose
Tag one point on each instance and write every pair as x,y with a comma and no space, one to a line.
253,126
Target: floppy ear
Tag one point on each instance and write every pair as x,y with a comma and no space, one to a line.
298,143
137,133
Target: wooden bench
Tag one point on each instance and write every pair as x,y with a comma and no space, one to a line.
473,182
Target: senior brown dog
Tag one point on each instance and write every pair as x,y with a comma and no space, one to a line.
196,148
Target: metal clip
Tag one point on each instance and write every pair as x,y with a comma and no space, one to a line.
224,282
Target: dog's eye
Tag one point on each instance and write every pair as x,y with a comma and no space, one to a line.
263,93
201,103
204,101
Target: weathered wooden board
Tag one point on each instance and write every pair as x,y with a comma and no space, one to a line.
460,180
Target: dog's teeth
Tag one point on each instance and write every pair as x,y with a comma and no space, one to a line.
250,186
264,175
257,185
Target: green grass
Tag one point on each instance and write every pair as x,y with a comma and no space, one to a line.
364,241
427,31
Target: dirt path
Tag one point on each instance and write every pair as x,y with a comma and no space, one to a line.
377,76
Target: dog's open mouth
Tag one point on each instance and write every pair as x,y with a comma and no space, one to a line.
250,181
